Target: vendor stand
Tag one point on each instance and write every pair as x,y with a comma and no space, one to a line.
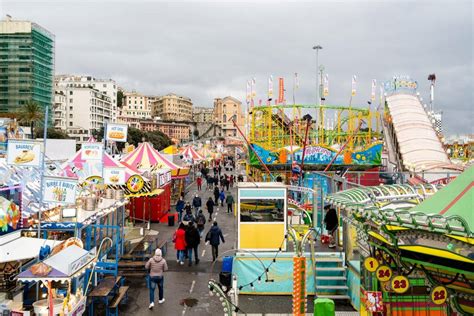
62,274
146,158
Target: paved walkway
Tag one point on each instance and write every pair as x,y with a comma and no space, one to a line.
186,290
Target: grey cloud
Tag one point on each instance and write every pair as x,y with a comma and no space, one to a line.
205,50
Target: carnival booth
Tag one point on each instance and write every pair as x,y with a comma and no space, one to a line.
146,158
191,155
63,280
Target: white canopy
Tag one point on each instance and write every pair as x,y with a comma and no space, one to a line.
13,247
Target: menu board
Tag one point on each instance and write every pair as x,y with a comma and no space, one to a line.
92,151
116,132
114,176
59,190
24,153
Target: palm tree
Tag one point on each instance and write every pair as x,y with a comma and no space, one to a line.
31,113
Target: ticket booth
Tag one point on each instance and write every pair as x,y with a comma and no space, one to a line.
262,216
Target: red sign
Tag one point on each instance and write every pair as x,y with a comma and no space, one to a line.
281,90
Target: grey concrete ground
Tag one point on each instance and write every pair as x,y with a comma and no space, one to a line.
185,284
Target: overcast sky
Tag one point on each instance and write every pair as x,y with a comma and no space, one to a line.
205,50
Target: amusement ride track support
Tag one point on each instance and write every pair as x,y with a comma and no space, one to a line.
250,146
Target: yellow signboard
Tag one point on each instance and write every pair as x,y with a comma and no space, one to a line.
439,295
261,236
400,284
384,273
371,264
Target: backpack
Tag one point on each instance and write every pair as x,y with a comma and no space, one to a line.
208,235
201,220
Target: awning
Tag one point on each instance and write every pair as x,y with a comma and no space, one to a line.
13,247
64,264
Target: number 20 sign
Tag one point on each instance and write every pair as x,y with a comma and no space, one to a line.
400,284
383,273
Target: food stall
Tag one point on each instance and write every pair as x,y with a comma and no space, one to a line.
146,158
62,279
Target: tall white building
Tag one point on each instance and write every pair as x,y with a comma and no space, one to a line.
135,107
80,108
106,86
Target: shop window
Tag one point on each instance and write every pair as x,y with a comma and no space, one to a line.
262,211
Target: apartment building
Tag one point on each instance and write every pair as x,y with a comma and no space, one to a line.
203,115
225,111
172,107
176,131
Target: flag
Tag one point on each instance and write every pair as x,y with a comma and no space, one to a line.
354,78
254,91
381,94
270,88
297,83
260,102
247,98
326,86
374,86
281,90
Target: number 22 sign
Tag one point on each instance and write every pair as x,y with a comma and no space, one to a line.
383,273
439,295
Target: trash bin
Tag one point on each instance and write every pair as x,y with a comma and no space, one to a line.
171,219
225,278
227,264
324,307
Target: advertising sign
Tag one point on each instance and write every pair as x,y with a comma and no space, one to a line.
135,183
92,151
164,177
59,190
116,132
281,90
24,153
114,176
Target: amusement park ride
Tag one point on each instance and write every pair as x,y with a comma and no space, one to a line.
400,253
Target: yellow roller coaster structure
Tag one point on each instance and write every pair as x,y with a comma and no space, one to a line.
274,127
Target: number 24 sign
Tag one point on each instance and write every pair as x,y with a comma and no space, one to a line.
383,273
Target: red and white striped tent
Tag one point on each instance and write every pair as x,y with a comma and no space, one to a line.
190,154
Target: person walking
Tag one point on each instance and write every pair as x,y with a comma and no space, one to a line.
231,180
219,169
180,208
192,243
331,221
188,217
209,181
226,183
179,240
197,203
229,201
210,207
216,195
199,183
222,197
157,266
214,236
201,221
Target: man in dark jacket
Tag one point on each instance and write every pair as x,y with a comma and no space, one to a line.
201,222
210,207
229,201
216,195
214,236
180,208
192,243
332,222
197,203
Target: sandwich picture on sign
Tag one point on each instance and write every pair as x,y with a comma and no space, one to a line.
116,132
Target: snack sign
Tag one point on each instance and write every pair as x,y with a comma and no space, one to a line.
92,151
116,132
59,190
114,176
23,153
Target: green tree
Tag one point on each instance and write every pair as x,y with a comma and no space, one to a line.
119,98
158,139
52,133
31,113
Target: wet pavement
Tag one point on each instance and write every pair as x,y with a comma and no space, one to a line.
186,290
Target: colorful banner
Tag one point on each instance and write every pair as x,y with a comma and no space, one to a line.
135,183
326,86
248,92
270,88
116,132
297,82
372,94
318,155
254,89
114,176
354,81
92,151
3,140
281,90
59,190
24,153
